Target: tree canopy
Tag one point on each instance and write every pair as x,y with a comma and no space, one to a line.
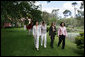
13,11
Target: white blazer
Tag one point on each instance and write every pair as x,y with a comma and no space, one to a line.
36,31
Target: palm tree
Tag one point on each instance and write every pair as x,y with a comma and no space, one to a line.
74,4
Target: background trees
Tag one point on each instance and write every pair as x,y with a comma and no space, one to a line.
74,4
79,40
67,13
13,11
45,17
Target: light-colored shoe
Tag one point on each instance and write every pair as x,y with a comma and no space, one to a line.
44,47
37,49
41,45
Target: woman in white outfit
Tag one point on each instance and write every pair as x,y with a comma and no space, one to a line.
36,34
43,34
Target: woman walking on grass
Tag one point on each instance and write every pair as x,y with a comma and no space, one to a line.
36,34
52,33
62,34
43,34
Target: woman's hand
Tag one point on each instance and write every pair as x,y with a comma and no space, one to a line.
53,29
50,35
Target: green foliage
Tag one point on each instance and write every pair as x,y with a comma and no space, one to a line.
19,9
82,34
69,30
36,15
48,28
26,22
45,17
79,40
67,13
72,22
74,3
52,20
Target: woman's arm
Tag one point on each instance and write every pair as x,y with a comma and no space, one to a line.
55,29
46,27
33,30
66,32
40,30
58,31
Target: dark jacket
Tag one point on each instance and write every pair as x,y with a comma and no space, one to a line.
51,32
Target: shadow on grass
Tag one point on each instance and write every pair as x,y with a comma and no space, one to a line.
79,51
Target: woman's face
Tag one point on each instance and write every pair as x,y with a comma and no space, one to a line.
43,24
53,23
36,23
62,24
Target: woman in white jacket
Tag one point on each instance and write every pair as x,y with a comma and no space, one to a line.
43,34
36,34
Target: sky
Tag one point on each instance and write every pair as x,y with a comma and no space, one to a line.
61,5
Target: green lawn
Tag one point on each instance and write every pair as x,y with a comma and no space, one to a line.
16,42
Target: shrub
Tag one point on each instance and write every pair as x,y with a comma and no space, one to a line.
48,29
79,40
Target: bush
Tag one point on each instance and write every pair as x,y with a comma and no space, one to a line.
68,30
79,40
48,29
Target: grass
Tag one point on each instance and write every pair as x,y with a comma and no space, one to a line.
17,42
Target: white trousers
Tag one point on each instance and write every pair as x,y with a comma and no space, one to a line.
43,38
36,41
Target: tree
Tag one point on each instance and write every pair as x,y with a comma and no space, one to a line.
79,40
19,9
67,13
45,17
82,5
80,15
81,12
74,4
48,1
55,13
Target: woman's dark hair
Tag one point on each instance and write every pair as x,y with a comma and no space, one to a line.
34,23
43,22
61,23
52,23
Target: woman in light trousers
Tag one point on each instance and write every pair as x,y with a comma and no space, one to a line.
36,34
43,34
